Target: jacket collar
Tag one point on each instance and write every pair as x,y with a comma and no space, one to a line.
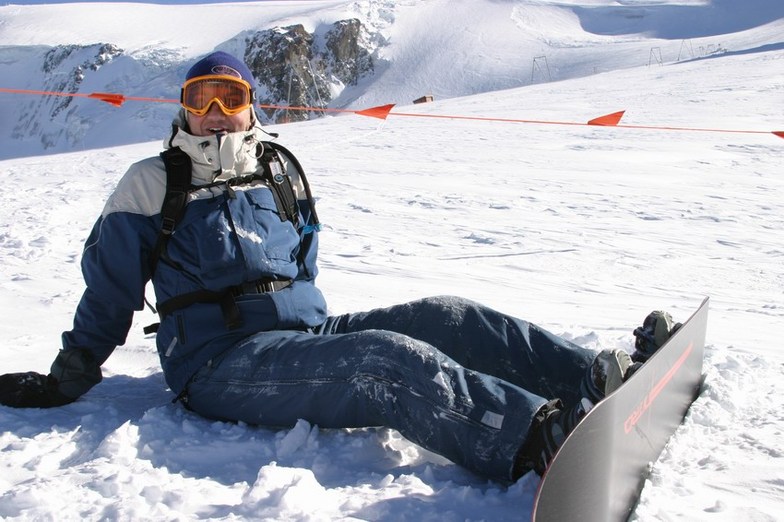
219,156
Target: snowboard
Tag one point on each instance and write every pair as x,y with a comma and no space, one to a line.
599,471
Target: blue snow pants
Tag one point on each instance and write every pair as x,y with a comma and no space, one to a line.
451,375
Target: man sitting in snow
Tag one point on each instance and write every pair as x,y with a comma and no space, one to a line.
245,334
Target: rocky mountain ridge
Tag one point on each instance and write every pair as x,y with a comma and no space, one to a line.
65,68
293,67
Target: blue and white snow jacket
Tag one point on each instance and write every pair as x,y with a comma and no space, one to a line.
221,241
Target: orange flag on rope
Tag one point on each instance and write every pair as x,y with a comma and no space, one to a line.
381,112
113,99
608,120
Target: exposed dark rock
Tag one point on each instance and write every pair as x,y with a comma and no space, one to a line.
295,68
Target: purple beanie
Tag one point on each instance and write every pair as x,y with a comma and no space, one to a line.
221,63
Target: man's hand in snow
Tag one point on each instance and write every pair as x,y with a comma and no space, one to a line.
30,390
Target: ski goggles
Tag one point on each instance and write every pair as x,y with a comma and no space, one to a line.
233,95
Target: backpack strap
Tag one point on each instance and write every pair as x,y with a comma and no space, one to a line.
274,174
178,186
314,223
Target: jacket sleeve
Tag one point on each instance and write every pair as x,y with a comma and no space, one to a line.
115,269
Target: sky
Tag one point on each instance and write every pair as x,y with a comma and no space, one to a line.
158,2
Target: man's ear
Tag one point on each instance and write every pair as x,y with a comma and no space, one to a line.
252,117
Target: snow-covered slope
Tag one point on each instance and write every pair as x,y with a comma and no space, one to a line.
583,230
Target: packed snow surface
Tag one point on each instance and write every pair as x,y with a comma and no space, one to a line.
580,229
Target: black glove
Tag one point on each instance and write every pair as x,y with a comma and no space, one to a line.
30,390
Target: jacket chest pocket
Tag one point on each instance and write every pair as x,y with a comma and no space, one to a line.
202,243
259,228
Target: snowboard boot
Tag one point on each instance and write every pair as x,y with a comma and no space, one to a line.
553,422
654,332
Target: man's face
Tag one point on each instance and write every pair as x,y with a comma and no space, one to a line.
215,121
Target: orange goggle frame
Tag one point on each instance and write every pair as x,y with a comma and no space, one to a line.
233,95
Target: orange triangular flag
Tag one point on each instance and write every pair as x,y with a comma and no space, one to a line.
780,134
114,99
381,112
609,120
